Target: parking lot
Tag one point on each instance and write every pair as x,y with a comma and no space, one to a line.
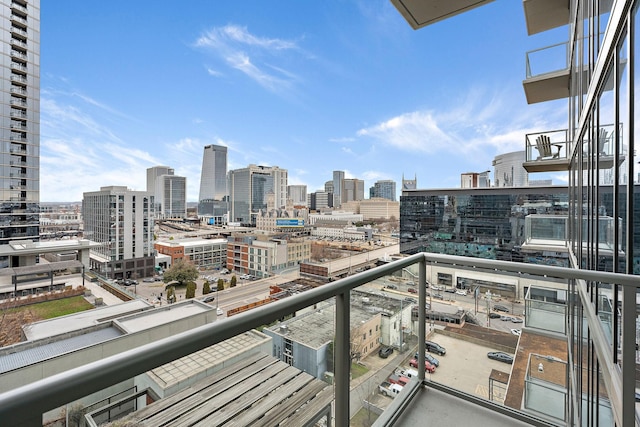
466,366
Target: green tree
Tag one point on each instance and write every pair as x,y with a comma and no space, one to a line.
182,271
233,281
171,294
191,290
221,284
206,288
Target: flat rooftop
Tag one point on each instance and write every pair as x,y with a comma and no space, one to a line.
259,390
83,319
209,360
162,315
29,353
316,328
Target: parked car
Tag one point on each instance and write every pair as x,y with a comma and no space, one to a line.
427,366
412,290
438,296
390,390
461,292
500,356
516,320
391,286
434,347
435,362
505,318
398,379
494,315
148,280
498,307
411,300
409,373
516,332
450,290
385,352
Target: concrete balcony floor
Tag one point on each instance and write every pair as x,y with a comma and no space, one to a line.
437,408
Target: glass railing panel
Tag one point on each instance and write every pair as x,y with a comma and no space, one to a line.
547,60
536,148
546,387
549,229
546,316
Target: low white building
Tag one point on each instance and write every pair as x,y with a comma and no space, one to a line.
335,216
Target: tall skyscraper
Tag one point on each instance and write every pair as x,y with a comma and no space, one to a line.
297,194
338,177
385,189
213,197
169,191
20,117
248,189
352,190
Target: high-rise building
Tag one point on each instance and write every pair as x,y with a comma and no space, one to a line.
297,194
169,192
20,119
385,189
338,177
409,184
320,200
213,196
508,170
248,189
122,220
352,190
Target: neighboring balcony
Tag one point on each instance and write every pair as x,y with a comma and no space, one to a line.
547,151
238,392
550,151
551,233
543,15
547,75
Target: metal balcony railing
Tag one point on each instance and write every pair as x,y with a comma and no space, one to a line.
26,404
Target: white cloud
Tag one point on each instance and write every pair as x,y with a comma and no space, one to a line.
480,126
342,140
238,49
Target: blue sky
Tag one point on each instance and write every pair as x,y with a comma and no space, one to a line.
311,87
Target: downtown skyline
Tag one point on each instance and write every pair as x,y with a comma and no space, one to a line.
349,87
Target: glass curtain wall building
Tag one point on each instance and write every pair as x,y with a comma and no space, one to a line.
20,121
482,222
213,197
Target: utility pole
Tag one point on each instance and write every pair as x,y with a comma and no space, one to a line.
488,298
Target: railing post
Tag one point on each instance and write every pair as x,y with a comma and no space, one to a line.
342,362
628,355
422,318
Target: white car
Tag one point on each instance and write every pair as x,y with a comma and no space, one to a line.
516,332
219,312
461,292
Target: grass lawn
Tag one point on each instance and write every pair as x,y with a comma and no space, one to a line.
364,418
357,370
51,309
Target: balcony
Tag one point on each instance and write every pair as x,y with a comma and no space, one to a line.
543,15
420,13
547,151
547,75
427,397
18,30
